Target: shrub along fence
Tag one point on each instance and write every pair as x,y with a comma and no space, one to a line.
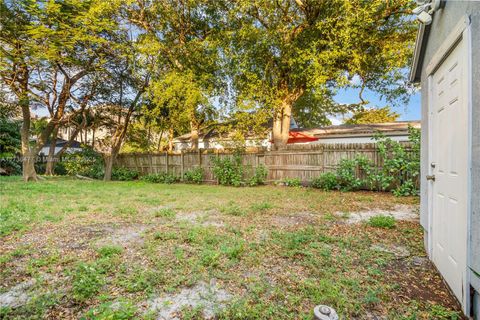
302,162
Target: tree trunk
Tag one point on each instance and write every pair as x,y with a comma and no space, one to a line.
287,115
281,126
120,134
28,155
110,159
160,141
277,129
194,137
170,139
93,138
108,167
149,137
28,166
51,159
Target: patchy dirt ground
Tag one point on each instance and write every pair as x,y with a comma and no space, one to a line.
75,249
206,298
399,212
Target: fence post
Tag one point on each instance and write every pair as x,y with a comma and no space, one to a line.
166,162
216,157
199,158
182,167
323,158
150,168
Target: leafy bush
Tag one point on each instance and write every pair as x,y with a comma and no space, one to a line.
401,164
194,176
10,144
326,181
347,175
11,165
228,170
400,170
124,174
86,162
381,221
291,182
407,188
374,177
377,179
259,176
160,178
59,168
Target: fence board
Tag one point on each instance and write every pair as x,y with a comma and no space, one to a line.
299,161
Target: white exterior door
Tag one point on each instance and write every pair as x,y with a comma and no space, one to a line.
449,157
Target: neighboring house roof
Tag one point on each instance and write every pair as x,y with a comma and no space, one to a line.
387,128
300,135
61,142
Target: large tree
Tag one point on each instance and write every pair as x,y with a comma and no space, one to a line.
373,115
123,95
183,101
283,50
184,36
49,52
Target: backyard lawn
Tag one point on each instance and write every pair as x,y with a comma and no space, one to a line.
72,248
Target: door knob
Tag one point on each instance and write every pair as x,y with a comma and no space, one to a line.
431,177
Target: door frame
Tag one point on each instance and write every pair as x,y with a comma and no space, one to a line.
461,32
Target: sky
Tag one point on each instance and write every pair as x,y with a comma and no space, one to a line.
411,111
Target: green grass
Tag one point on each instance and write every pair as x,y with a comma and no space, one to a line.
109,251
261,206
233,209
381,221
273,265
165,213
87,281
108,310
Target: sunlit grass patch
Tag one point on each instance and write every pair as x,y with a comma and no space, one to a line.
165,213
233,209
382,221
261,206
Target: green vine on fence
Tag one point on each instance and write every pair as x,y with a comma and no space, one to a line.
399,172
229,171
401,162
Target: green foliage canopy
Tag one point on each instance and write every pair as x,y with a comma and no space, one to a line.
280,51
373,115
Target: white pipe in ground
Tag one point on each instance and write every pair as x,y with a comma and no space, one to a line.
322,312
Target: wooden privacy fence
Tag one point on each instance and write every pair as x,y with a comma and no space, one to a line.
297,161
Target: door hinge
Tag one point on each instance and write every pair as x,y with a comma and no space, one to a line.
431,177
